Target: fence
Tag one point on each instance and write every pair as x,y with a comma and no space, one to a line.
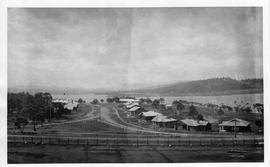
116,141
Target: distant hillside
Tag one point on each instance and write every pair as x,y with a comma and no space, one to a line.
215,86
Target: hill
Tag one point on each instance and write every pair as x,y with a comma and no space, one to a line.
213,86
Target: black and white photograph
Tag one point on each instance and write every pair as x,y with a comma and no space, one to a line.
169,84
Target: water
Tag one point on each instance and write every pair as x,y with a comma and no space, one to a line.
226,99
87,97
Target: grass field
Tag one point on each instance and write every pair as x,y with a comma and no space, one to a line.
19,153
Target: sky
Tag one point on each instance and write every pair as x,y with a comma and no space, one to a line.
127,48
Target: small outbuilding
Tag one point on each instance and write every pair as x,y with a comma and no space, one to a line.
236,124
195,125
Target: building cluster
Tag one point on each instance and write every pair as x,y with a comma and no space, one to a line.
159,120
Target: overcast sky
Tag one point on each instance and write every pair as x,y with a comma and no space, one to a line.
131,48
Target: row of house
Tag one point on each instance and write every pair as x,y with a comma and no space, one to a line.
160,120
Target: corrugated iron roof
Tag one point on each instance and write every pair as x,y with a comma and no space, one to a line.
150,114
235,122
162,118
191,122
134,108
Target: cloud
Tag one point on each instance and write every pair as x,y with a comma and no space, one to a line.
131,47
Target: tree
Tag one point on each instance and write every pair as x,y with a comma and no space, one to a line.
155,103
148,100
116,99
220,111
192,111
109,100
20,123
102,100
162,100
200,117
95,101
175,102
80,100
180,106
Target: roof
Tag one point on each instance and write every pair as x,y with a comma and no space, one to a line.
150,114
235,122
70,106
132,105
162,118
192,122
128,100
60,101
135,108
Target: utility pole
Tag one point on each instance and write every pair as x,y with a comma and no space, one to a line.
235,127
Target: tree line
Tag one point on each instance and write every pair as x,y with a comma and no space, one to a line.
24,108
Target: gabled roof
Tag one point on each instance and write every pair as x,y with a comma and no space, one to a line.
135,108
150,114
235,122
191,122
162,118
132,105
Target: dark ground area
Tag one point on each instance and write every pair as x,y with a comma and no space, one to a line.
20,153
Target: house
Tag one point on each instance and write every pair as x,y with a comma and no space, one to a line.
164,121
71,106
195,125
135,110
149,115
235,124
